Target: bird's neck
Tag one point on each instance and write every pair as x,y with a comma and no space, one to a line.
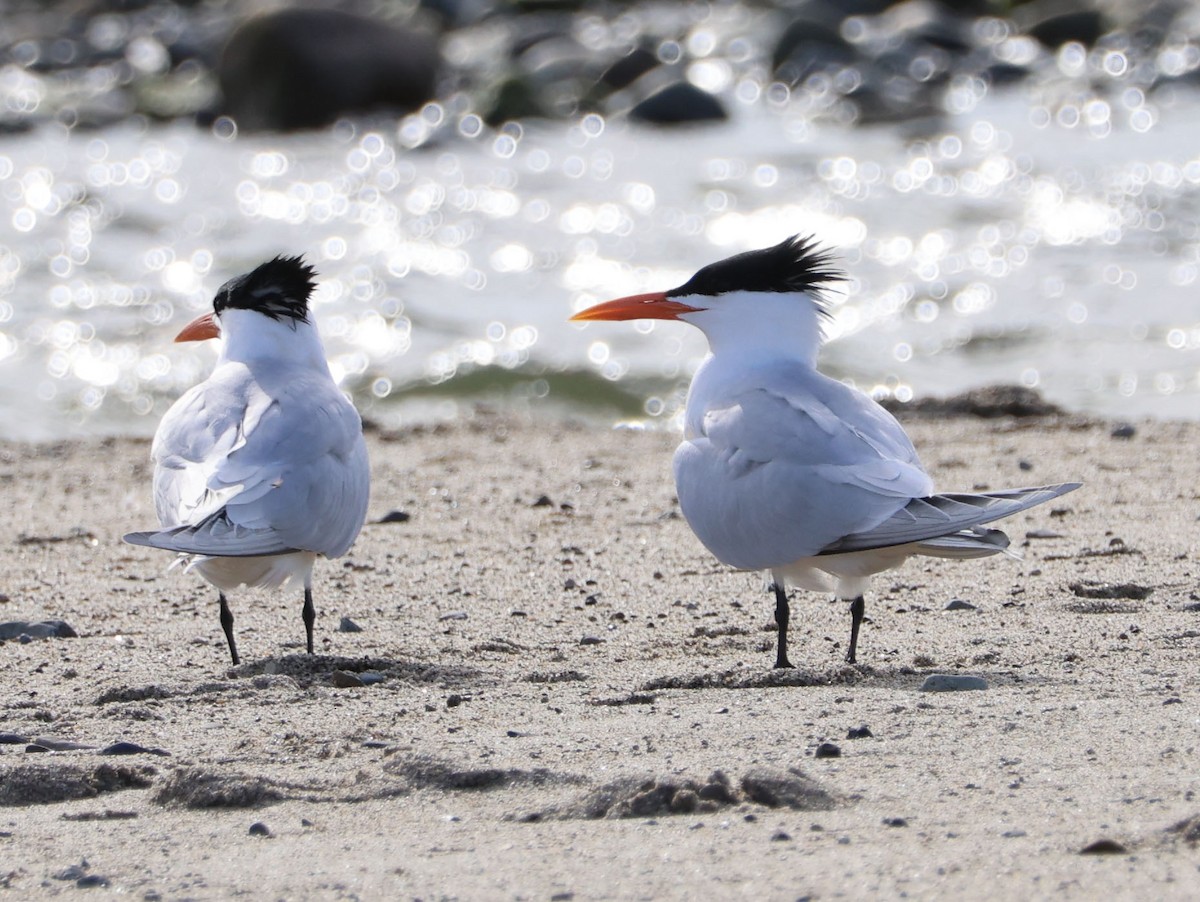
251,338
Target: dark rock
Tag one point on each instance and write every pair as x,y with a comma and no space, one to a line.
258,828
1103,847
679,103
131,748
863,732
45,629
343,680
827,750
1123,430
957,604
303,68
395,517
895,822
346,625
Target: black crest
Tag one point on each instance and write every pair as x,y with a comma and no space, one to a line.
279,288
795,264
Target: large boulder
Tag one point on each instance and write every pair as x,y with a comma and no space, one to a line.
303,68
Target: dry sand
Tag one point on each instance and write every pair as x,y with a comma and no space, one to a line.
555,645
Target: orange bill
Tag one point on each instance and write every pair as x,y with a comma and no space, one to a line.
200,328
653,305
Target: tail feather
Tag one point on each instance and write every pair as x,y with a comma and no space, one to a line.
946,524
214,536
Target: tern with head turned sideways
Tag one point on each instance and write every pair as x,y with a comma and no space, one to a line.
786,470
262,468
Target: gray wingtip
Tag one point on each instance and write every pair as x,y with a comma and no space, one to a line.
139,538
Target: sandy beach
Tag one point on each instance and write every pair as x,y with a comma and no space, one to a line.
556,693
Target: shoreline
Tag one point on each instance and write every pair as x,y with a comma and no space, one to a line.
554,643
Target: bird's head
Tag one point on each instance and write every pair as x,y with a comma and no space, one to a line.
278,289
760,297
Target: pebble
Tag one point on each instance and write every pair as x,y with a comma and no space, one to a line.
543,501
346,625
1043,534
863,732
590,640
258,828
395,517
454,615
131,748
958,604
895,822
370,677
1103,847
827,750
45,629
13,739
781,836
343,680
1124,430
951,682
46,744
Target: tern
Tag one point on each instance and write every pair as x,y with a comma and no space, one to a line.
262,467
786,470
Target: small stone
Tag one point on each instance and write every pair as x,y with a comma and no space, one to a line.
781,836
1043,534
90,880
346,625
454,615
258,828
23,631
958,604
395,517
952,682
45,743
370,677
343,680
1024,465
543,501
895,822
590,640
1123,430
1103,847
863,732
827,750
131,748
454,700
13,739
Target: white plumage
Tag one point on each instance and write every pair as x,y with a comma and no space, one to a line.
786,470
262,467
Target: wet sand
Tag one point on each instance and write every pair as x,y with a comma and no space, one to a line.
568,698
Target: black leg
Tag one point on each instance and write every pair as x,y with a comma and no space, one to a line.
227,625
310,616
857,609
782,614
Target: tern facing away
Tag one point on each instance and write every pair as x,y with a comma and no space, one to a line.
262,467
786,470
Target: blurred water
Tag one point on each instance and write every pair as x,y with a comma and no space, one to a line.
1046,244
